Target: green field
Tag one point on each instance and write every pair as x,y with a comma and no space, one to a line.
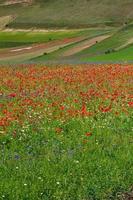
111,49
14,38
124,55
115,48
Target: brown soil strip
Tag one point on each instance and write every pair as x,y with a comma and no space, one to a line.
130,41
43,47
84,45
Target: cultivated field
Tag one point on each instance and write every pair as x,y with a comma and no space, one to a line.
24,45
75,45
66,132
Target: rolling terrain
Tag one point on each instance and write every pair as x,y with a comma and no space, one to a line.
22,31
95,50
62,13
23,46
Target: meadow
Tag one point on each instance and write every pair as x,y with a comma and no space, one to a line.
66,132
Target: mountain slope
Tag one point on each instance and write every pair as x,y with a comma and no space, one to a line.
70,13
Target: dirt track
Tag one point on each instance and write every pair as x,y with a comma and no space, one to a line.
37,48
130,41
84,45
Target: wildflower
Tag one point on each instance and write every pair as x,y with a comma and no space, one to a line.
1,105
88,134
58,130
97,142
105,109
84,111
12,95
17,157
14,134
85,141
75,100
130,104
76,161
116,113
62,108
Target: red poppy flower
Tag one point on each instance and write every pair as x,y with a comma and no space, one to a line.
88,134
58,130
62,107
12,95
130,104
105,109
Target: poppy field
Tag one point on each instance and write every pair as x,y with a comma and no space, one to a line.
66,132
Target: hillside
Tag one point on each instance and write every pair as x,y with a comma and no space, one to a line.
115,46
62,13
60,30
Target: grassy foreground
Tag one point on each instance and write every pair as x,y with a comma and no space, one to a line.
66,132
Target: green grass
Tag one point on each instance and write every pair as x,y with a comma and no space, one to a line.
42,165
123,55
